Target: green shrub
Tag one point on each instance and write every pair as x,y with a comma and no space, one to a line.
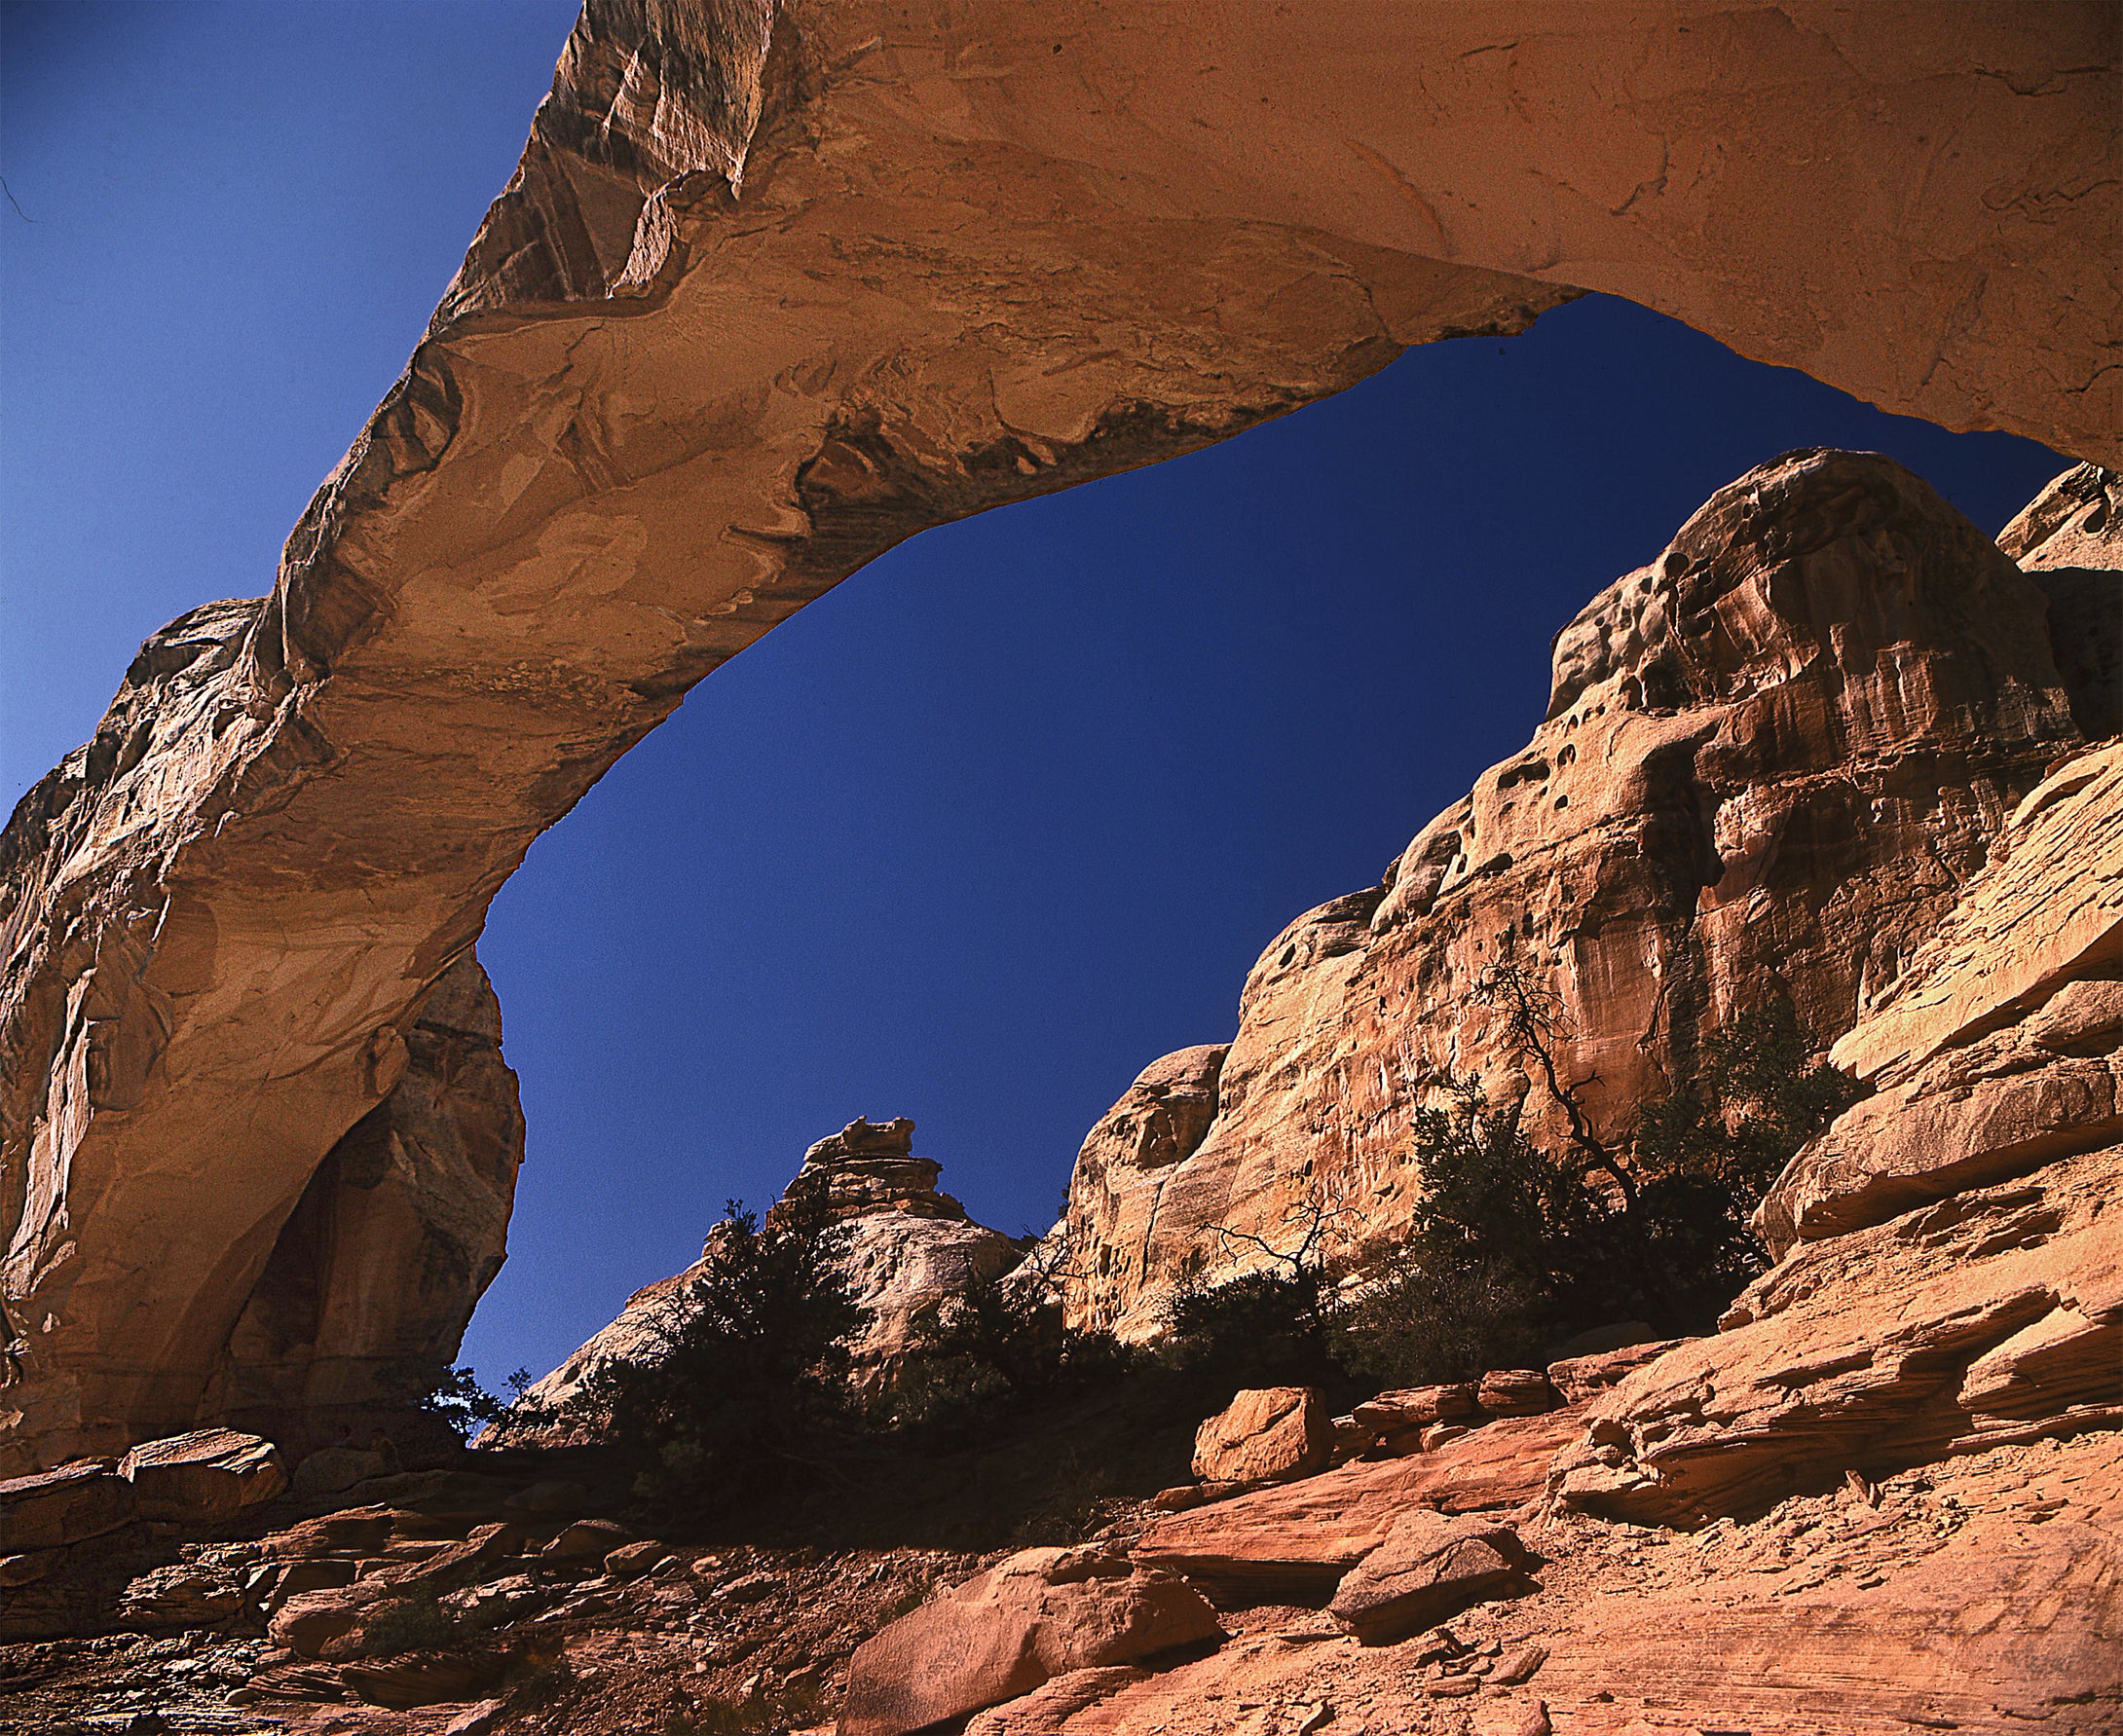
746,1377
1261,1329
993,1341
457,1397
1517,1242
1415,1322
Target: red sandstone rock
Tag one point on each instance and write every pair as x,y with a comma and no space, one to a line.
333,1623
1039,1614
901,1244
209,1474
1269,1434
355,1530
630,1561
1828,679
1427,1570
290,825
1294,1543
61,1506
1993,1316
1411,1409
1578,1378
1515,1392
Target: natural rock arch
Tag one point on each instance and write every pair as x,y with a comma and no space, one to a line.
775,287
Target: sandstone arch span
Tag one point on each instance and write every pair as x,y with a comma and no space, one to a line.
776,286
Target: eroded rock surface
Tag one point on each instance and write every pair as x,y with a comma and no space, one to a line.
1268,1434
1953,1267
1771,759
1039,1614
778,286
901,1246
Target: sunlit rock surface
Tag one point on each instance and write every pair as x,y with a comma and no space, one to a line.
777,286
1772,761
899,1244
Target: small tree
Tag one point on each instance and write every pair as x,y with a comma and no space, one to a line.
995,1338
1515,1243
1271,1324
1710,1151
750,1370
457,1397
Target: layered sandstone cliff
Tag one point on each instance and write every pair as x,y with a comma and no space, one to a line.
777,286
1772,760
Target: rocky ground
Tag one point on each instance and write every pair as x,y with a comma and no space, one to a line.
1955,1597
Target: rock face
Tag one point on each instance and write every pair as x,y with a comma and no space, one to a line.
50,1509
210,1474
1952,1271
777,286
901,1244
1427,1570
1294,1543
1267,1435
1771,758
2067,542
1039,1614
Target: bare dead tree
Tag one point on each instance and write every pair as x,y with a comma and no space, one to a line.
1535,1024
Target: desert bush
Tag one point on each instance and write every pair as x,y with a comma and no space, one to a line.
1518,1241
456,1396
1415,1321
993,1341
748,1374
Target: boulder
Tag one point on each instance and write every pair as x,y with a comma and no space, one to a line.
426,1678
1427,1570
330,1471
1292,1542
352,1530
630,1561
1268,1434
1047,1710
1411,1409
209,1474
185,1595
590,1537
1578,1378
299,1576
335,1622
53,1508
1039,1614
1515,1392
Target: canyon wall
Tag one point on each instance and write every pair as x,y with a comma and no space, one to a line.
775,287
1772,760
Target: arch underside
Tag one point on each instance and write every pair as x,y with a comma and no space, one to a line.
775,287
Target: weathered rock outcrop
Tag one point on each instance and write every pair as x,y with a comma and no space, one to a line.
1269,1434
1039,1614
776,286
1953,1270
1428,1570
901,1246
1771,759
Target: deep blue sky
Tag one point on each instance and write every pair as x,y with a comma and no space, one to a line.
973,839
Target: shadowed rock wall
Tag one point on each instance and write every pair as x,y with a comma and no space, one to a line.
774,288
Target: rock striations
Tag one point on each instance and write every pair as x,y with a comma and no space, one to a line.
778,285
1772,760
